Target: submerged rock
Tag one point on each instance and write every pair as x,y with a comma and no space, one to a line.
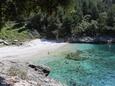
77,56
25,74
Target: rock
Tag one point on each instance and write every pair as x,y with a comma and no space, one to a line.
25,74
17,42
3,42
6,43
86,39
77,56
95,39
44,69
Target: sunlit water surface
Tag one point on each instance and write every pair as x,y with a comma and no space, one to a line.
98,69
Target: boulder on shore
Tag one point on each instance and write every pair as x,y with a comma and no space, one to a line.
25,74
3,42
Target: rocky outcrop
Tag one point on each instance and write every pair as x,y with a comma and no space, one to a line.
96,39
25,74
7,43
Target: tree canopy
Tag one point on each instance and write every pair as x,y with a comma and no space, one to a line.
61,18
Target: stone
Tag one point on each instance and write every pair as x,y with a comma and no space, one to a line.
6,43
25,74
3,42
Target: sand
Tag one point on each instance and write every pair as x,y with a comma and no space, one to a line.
29,50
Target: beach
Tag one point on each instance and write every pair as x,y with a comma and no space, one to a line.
29,50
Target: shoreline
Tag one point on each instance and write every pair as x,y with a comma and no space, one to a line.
94,40
29,50
38,48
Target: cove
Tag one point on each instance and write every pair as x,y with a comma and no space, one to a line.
97,69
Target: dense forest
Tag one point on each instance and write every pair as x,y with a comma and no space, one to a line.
57,18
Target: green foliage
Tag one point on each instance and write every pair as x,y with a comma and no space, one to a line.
82,27
51,6
86,26
111,16
13,34
102,20
57,18
51,26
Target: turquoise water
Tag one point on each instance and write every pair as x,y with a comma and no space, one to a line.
98,69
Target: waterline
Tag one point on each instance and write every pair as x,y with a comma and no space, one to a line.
97,70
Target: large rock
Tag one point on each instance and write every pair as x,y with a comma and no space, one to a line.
25,74
3,42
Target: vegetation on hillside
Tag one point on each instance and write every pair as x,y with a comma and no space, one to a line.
59,18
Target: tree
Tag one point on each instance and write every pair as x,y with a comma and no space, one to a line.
102,21
50,6
111,16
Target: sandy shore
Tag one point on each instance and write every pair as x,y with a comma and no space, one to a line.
29,50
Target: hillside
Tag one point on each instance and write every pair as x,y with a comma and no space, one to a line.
56,19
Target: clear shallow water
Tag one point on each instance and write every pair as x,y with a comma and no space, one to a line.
97,70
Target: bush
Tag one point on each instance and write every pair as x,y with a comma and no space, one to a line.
7,33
